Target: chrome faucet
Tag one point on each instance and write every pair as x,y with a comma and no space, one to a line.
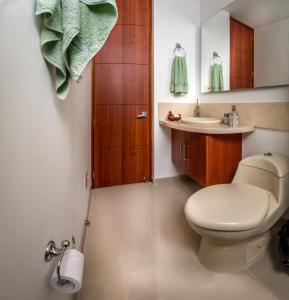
197,110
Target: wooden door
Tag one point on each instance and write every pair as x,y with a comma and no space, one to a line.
242,55
121,134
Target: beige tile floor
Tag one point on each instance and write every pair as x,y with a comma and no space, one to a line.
140,247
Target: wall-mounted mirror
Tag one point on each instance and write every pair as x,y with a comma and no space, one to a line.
246,45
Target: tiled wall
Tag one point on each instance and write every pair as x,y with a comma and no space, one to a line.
269,115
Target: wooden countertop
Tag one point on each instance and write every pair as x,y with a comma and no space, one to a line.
206,129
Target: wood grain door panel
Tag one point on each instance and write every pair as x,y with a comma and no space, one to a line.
116,165
235,34
235,83
123,84
246,84
246,39
136,164
242,55
134,12
246,66
127,44
108,125
135,130
118,125
235,63
107,167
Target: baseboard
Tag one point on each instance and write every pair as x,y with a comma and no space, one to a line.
83,234
178,177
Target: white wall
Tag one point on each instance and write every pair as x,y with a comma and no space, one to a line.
215,37
44,154
261,139
210,7
272,54
173,22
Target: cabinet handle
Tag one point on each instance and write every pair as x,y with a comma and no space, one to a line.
181,150
185,152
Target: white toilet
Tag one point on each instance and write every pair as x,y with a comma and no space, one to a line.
234,219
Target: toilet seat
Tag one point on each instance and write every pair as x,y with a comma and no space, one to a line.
228,207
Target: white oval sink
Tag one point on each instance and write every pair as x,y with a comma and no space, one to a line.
201,121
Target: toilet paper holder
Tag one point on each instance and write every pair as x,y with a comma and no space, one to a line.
53,251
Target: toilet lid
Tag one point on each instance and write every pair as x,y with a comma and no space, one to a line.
228,207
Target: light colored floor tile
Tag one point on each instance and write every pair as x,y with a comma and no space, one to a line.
227,287
140,247
102,205
271,272
103,256
141,285
138,243
136,222
114,290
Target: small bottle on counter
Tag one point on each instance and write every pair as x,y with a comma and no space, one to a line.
234,117
227,119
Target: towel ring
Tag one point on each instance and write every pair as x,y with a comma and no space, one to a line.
179,48
217,58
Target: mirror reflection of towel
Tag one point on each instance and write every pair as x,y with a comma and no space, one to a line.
217,81
179,80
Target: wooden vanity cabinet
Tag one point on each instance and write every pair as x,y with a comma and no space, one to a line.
178,142
208,159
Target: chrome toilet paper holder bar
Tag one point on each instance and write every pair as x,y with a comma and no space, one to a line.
53,251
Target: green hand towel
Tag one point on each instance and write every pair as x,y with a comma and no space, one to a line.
73,31
179,79
217,81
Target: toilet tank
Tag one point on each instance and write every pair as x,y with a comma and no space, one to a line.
267,171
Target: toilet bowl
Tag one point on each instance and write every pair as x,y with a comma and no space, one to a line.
234,219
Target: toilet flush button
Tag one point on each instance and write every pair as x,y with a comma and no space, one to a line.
268,154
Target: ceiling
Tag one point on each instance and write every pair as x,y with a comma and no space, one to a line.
257,13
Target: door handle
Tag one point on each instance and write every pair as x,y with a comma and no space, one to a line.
142,115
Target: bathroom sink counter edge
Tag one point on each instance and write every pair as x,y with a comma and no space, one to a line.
206,129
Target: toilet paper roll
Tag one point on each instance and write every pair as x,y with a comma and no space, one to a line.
71,270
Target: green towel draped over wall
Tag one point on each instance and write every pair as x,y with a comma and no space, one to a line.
179,79
72,32
217,80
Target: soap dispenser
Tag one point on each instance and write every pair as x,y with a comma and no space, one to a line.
234,117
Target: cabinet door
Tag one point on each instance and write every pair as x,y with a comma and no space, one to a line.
194,155
178,148
223,154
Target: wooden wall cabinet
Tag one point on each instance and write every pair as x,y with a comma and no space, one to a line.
208,159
